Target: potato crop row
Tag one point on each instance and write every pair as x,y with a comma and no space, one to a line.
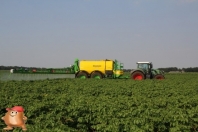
105,105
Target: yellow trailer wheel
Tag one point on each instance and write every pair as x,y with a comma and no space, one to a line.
96,75
82,75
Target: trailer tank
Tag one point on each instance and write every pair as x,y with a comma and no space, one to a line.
100,69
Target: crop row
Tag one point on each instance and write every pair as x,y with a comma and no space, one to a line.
105,105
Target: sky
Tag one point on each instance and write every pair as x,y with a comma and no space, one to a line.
53,33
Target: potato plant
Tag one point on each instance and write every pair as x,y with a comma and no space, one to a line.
106,105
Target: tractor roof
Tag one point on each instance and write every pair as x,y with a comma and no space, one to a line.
144,62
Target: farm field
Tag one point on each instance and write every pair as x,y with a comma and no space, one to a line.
106,105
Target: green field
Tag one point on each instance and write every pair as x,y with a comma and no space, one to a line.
106,105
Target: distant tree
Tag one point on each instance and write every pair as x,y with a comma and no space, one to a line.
190,69
168,69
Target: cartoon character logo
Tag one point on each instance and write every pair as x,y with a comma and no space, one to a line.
15,117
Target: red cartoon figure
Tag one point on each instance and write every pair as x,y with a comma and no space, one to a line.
15,118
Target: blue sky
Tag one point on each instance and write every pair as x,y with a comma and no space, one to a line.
52,33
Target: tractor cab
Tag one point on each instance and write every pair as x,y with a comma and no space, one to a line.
146,66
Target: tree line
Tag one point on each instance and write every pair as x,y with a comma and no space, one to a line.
189,69
168,69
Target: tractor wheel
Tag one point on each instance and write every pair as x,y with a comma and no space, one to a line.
137,76
82,75
96,75
159,77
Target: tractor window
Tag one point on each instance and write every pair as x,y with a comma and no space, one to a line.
143,66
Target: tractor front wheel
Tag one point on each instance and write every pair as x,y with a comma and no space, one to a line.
82,75
137,76
159,77
96,75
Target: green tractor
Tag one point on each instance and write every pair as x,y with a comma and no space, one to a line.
144,71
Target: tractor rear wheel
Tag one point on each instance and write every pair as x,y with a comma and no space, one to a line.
82,75
159,77
137,76
96,75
